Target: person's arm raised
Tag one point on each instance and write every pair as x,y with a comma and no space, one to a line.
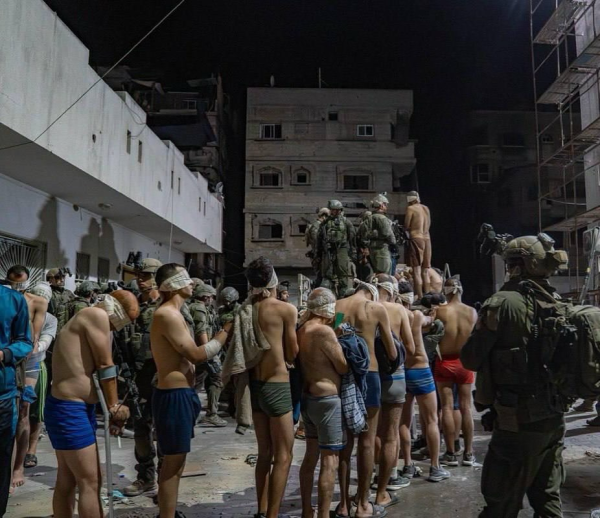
174,329
290,342
385,329
325,336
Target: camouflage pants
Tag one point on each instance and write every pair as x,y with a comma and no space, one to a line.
334,270
381,260
528,462
143,429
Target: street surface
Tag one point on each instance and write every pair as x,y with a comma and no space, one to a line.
227,490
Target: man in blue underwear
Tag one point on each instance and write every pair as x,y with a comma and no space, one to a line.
419,386
83,347
274,326
175,404
15,346
365,313
323,364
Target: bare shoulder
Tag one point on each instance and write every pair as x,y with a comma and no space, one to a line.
165,314
37,301
93,316
322,332
425,209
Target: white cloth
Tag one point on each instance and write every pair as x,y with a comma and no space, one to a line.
452,290
42,289
176,282
19,286
410,199
265,290
408,298
387,286
372,289
116,313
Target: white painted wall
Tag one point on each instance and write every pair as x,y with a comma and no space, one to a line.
44,69
39,217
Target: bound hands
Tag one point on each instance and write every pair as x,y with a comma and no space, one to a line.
119,414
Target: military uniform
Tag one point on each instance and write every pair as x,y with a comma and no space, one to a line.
77,304
59,305
336,246
376,234
525,452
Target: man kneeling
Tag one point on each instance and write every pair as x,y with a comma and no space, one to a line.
82,348
323,363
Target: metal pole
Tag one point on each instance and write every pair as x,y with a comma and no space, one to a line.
109,491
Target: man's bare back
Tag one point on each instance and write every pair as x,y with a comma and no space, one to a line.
277,321
366,316
436,283
400,324
418,359
418,220
72,358
459,321
321,358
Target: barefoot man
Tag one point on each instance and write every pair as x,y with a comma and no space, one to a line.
175,404
275,323
459,321
83,348
419,386
393,395
417,221
363,311
18,276
323,364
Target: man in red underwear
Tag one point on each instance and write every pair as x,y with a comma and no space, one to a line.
459,321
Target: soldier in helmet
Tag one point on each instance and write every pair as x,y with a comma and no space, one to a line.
376,236
85,296
525,453
134,343
208,373
311,236
61,297
228,304
336,246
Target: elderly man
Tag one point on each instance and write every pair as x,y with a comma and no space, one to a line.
18,277
15,346
175,404
323,364
83,349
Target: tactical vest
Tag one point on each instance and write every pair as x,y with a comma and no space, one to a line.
140,337
336,233
59,306
381,231
75,306
201,319
312,233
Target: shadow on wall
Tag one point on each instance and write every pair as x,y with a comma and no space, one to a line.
48,233
107,249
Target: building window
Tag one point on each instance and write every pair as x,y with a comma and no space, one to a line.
301,177
299,226
270,231
332,116
103,269
140,151
513,140
189,104
128,142
365,130
547,139
270,131
480,173
269,177
199,204
172,179
355,182
179,185
82,266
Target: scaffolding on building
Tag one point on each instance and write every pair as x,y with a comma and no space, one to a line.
565,55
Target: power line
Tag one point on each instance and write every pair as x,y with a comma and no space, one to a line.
99,79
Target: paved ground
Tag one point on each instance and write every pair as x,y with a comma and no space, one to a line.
228,489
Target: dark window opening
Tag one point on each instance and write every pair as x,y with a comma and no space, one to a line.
270,131
271,231
365,130
82,266
356,182
103,269
270,179
128,142
480,173
332,116
302,228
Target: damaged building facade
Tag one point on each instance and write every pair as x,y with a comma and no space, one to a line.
305,146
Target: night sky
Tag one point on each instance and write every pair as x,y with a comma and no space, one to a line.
456,55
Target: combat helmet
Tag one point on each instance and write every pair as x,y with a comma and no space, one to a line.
379,200
537,254
323,212
335,205
229,295
150,265
86,288
204,290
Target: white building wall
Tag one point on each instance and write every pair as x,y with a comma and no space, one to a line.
43,70
65,231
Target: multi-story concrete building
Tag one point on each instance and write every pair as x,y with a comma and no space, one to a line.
305,146
83,179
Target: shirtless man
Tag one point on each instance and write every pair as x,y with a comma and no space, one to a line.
417,221
393,395
82,348
419,386
435,280
18,276
323,364
459,321
175,404
270,392
363,312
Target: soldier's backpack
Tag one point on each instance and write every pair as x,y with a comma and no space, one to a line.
569,336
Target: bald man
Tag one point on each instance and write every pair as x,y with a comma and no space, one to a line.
82,348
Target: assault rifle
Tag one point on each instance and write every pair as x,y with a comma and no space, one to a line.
126,376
